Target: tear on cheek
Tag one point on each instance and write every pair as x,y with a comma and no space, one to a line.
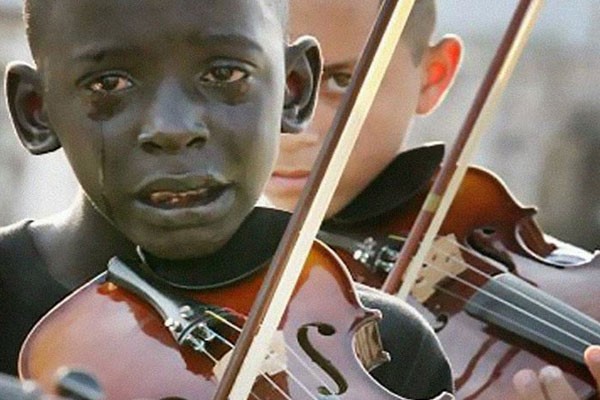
103,107
102,164
237,94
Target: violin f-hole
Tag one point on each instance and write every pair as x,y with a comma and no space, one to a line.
325,364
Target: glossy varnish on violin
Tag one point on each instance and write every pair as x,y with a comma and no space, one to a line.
124,343
489,234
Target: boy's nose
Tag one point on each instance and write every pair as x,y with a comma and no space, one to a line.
172,139
174,123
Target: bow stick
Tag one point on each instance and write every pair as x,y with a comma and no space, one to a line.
445,186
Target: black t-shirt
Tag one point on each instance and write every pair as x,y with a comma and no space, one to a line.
418,370
27,291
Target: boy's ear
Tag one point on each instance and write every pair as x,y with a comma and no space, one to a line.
303,69
25,102
439,67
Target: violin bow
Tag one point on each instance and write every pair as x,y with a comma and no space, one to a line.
301,231
431,216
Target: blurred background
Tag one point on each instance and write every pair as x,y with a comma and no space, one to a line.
544,141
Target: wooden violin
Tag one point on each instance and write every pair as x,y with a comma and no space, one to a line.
124,341
473,268
478,288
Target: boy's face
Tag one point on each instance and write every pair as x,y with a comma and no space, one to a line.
169,112
342,27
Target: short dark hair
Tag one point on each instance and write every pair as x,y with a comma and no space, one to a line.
419,28
32,15
35,10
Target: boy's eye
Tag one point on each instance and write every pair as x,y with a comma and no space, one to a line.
110,84
223,75
338,82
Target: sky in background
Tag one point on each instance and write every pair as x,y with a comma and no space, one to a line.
567,20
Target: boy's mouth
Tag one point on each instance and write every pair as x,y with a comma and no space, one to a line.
190,198
284,181
182,192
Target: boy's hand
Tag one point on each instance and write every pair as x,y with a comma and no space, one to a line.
550,383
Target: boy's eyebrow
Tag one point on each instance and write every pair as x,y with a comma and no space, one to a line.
199,39
97,53
340,64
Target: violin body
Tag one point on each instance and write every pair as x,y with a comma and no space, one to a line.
486,234
122,340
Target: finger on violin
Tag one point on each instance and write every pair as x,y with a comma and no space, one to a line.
592,360
556,385
528,385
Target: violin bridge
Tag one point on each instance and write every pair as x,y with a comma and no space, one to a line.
274,363
443,261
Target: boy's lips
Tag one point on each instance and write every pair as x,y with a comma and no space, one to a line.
190,198
289,180
170,199
292,174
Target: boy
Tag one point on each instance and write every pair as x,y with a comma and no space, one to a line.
169,113
417,80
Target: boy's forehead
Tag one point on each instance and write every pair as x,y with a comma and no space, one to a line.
341,26
84,21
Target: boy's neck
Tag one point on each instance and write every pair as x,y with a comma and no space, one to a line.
77,243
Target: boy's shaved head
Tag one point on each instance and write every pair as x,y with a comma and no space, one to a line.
419,27
36,11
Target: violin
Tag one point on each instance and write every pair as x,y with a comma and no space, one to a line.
502,294
478,278
478,288
146,339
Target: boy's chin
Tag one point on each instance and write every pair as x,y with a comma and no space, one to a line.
183,252
182,245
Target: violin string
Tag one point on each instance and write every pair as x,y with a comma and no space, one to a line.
518,309
512,306
215,361
265,376
507,287
288,348
510,321
299,359
504,285
268,379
